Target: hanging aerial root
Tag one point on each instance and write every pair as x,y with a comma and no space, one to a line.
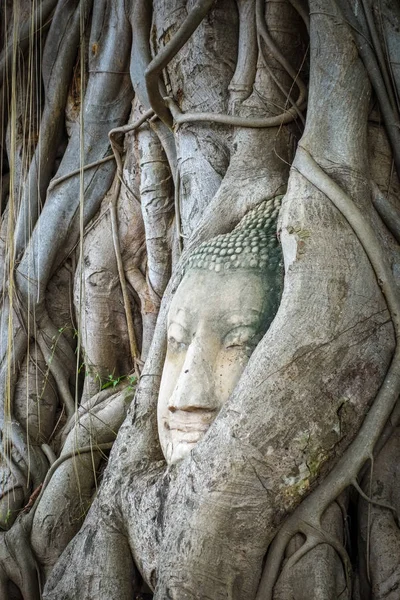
309,513
114,225
388,213
390,114
36,23
373,502
302,9
264,34
92,165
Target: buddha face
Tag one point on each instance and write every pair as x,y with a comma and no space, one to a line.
214,323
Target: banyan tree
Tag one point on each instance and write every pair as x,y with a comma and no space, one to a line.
200,310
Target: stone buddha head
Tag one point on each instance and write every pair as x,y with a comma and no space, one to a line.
223,306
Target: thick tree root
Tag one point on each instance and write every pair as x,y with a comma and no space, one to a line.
307,517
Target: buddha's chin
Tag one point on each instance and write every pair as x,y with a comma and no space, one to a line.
179,450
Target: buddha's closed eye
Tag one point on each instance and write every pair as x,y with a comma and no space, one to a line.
178,338
242,335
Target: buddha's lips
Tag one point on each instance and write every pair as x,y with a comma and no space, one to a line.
189,429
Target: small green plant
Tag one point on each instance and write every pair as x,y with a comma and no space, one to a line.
132,381
112,381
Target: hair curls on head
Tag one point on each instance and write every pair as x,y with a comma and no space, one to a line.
253,244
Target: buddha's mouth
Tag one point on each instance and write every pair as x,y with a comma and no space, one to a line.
189,427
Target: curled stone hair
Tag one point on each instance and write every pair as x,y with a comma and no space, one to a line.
253,244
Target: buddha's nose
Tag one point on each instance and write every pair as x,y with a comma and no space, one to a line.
195,388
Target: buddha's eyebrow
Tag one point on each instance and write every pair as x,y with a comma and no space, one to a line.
252,317
181,317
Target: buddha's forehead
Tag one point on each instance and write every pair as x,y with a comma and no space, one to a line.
237,296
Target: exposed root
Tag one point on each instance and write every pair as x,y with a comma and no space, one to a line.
63,458
58,371
388,213
122,131
375,502
302,9
278,56
49,454
389,113
18,563
220,118
92,165
114,224
178,210
122,279
314,537
141,18
242,82
310,511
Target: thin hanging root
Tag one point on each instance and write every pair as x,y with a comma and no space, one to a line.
92,165
178,210
303,12
310,511
59,374
276,53
34,23
122,279
375,502
114,226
